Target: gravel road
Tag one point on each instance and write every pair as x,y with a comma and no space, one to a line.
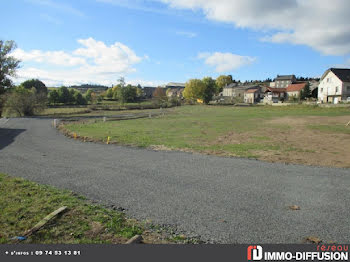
225,200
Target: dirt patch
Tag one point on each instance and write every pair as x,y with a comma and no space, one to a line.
297,143
96,228
297,121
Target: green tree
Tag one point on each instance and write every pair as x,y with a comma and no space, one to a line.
36,83
71,98
25,102
79,99
222,81
109,93
210,89
54,97
8,64
89,96
127,94
306,92
139,92
194,89
8,67
63,95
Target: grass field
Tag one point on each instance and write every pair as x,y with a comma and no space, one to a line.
24,203
294,134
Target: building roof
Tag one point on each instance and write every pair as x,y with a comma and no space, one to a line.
285,77
251,90
175,84
342,73
275,90
296,87
241,87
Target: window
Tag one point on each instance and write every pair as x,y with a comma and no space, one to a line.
348,89
321,90
337,89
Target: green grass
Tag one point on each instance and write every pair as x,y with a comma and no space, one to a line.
197,127
24,203
331,128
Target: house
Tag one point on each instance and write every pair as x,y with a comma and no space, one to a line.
294,90
252,96
148,91
237,91
274,95
284,81
334,86
175,92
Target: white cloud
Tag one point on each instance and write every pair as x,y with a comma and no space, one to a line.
321,24
93,62
225,62
49,57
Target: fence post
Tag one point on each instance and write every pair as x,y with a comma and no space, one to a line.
104,119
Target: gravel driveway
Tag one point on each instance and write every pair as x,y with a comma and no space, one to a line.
226,200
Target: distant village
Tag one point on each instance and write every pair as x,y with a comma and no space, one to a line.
333,87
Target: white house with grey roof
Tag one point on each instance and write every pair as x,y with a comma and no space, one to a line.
334,86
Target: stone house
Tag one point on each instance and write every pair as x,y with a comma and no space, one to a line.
284,81
275,95
252,96
294,90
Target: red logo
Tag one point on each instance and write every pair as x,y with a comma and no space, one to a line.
254,253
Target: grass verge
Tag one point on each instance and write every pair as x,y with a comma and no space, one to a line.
24,203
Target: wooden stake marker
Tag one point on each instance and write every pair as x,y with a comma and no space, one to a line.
42,223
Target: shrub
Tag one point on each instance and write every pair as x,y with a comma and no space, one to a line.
24,102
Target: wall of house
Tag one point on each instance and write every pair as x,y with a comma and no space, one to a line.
294,93
330,85
233,92
346,90
282,83
227,91
249,98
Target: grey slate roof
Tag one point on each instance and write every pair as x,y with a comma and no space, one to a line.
172,84
285,77
342,73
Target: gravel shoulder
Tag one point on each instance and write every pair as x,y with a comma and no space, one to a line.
225,200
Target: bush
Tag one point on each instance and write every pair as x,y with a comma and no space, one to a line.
24,102
174,101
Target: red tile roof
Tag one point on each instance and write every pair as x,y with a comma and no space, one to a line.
275,90
296,87
251,90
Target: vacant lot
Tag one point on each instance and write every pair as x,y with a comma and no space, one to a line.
293,134
24,203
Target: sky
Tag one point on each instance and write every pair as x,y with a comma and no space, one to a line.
153,42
